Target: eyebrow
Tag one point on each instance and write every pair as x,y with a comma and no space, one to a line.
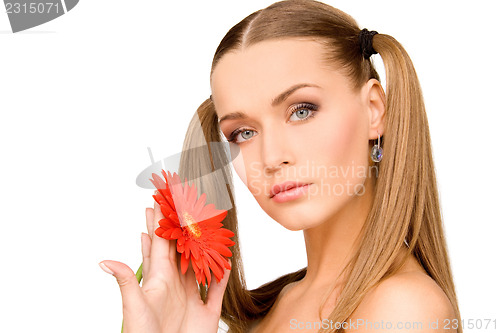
276,101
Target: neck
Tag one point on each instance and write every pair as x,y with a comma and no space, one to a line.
331,244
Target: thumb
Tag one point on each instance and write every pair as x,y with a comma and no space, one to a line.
132,296
216,292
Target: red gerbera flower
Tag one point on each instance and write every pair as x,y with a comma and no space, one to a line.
195,226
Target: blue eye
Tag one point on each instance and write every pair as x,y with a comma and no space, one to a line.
303,111
243,132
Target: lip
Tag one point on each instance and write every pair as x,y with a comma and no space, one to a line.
284,187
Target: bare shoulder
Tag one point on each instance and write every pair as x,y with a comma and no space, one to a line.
406,302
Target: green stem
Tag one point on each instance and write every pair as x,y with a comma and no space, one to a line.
138,276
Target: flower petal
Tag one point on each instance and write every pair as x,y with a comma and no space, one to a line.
223,240
197,262
177,233
192,194
226,232
195,250
166,233
167,223
187,247
174,218
222,249
218,258
184,264
216,269
206,270
198,206
165,210
159,232
214,221
180,244
198,273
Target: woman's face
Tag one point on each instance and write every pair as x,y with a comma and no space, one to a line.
295,119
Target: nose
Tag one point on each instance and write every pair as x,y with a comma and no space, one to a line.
276,150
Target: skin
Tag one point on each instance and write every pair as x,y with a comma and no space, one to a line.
168,301
278,146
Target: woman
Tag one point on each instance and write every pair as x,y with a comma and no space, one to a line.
295,93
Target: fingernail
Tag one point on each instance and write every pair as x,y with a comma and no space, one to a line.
106,268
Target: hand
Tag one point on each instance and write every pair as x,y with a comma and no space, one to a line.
168,300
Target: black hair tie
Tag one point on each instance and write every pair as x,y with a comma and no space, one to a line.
365,41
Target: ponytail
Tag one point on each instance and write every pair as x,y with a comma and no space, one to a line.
406,205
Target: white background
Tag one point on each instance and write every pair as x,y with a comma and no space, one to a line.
83,96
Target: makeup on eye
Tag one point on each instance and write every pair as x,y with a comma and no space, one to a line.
310,108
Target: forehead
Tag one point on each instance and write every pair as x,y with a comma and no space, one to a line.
259,72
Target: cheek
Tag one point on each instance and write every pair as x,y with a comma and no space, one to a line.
339,155
347,142
339,140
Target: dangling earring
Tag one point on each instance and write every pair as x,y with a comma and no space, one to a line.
377,151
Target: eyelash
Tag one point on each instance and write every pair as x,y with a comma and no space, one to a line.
307,106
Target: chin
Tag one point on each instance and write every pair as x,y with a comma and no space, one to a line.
305,213
296,226
300,216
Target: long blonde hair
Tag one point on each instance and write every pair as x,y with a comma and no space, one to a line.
406,205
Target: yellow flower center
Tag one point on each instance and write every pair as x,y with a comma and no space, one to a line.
191,225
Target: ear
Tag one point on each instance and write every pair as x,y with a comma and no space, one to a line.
375,102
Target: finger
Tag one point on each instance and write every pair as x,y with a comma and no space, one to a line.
216,292
132,296
150,227
154,224
161,263
150,215
146,255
